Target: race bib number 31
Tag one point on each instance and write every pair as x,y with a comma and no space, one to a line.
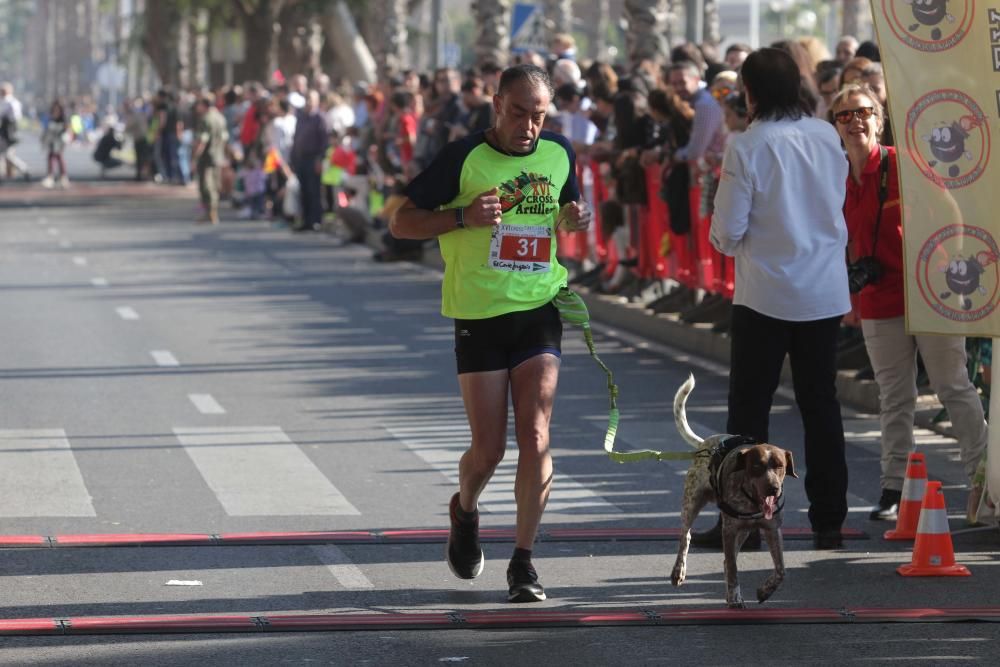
521,248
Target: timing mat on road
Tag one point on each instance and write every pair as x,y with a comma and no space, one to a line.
485,620
434,536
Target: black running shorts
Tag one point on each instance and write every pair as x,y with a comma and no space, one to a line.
503,342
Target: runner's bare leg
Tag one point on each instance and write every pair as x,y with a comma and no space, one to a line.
533,390
485,397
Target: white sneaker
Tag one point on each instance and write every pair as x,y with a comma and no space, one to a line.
47,182
64,182
245,214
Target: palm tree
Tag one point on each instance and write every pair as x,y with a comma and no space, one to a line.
493,19
855,16
559,15
647,28
712,31
390,25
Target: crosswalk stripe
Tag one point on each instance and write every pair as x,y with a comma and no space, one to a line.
206,404
164,358
259,471
340,566
442,444
127,313
39,476
99,282
80,261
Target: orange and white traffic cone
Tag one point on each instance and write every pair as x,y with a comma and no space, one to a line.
914,486
933,555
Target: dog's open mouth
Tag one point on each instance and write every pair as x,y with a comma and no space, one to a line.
770,506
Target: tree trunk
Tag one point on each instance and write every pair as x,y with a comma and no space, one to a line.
289,50
259,19
559,16
199,49
712,23
390,37
647,24
353,57
675,27
493,43
160,26
855,17
184,79
599,43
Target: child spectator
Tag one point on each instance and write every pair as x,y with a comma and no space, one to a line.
54,142
254,186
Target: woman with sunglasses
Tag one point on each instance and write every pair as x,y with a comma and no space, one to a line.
874,224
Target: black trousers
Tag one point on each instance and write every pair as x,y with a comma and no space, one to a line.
312,195
759,346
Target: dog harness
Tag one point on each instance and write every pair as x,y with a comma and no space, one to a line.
717,455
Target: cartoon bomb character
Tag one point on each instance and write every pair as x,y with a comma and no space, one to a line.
930,13
963,278
947,143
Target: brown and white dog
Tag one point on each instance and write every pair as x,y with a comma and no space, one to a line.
745,480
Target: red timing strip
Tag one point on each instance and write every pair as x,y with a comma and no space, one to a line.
418,536
485,620
306,537
7,541
127,540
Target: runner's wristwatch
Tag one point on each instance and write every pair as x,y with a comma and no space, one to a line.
460,218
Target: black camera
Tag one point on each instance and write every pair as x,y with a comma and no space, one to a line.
862,273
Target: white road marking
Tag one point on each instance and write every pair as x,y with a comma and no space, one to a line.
80,261
65,243
39,476
259,471
127,313
52,231
442,444
340,566
206,404
99,282
164,358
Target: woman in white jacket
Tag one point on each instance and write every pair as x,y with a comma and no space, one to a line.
778,211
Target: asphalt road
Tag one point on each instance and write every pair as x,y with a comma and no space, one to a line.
157,376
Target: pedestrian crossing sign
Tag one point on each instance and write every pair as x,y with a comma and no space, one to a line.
528,31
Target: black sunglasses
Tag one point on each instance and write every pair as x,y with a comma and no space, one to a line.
847,115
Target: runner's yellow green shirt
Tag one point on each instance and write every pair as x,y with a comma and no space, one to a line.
510,267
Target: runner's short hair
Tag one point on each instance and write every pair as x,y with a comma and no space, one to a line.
535,75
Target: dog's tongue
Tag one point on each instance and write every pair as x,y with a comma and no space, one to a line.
770,503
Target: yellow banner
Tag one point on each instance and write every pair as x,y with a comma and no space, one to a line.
942,65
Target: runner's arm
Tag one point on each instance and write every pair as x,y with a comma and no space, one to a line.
412,222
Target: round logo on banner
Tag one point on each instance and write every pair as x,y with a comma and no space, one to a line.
957,273
929,25
948,137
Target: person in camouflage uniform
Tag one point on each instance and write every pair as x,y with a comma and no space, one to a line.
209,155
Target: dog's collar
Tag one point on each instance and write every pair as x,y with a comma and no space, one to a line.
718,455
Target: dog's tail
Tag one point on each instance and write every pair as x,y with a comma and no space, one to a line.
680,415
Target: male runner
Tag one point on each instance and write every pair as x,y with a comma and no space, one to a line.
494,199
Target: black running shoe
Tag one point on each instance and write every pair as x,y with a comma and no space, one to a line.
465,557
888,506
523,582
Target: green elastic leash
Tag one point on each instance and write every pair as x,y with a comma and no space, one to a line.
573,310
